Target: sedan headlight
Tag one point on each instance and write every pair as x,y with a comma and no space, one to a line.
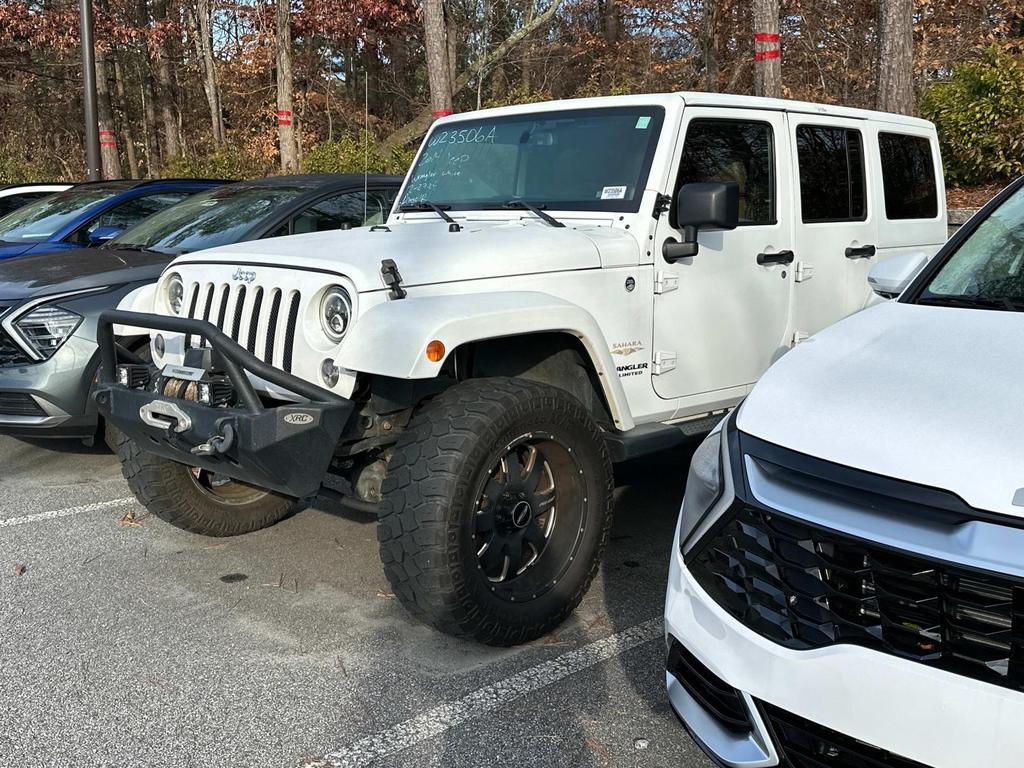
704,484
45,328
336,312
175,293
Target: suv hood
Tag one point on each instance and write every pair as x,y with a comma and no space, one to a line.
426,252
929,395
79,269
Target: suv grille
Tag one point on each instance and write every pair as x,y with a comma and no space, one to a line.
263,321
19,404
805,587
804,744
10,352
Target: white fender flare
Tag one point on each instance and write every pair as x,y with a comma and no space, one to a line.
390,339
142,299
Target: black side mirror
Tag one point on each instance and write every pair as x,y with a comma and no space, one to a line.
702,205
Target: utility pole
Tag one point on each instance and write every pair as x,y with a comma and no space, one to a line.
92,131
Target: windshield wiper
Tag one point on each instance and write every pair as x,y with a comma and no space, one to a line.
426,205
1003,303
534,209
135,247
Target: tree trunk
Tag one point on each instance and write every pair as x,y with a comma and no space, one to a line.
896,56
108,136
610,21
285,126
204,49
708,46
165,84
146,97
767,62
435,38
126,117
421,122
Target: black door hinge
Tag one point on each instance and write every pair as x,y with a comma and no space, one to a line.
661,204
393,279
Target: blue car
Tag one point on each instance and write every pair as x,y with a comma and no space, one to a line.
90,214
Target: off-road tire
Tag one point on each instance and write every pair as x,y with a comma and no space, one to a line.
429,502
167,490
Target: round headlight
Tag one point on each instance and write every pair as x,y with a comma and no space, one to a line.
336,312
175,293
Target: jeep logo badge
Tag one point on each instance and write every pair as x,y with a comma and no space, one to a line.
298,418
245,275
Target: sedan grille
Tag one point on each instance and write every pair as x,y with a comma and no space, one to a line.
805,586
263,321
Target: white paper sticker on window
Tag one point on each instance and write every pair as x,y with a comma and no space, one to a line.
643,122
613,193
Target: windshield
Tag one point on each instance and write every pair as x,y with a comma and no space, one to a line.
220,216
39,221
584,160
988,267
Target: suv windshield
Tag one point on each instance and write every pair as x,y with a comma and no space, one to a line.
987,270
582,159
220,216
39,221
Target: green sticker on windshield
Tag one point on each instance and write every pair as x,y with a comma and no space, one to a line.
643,122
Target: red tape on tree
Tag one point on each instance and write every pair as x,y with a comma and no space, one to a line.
284,117
769,42
442,113
107,139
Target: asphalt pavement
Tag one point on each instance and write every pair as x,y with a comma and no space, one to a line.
126,642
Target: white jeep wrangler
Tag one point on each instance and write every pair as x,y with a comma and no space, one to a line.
560,286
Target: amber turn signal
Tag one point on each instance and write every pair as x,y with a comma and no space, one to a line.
435,351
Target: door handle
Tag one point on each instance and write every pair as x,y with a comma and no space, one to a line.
779,257
863,252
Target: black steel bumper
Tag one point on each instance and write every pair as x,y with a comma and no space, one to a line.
286,448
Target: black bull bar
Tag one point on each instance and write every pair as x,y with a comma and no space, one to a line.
285,448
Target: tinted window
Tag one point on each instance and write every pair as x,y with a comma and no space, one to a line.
585,159
131,212
14,202
730,150
344,211
39,221
217,217
831,164
908,175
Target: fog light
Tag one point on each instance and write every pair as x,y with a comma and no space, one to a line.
159,345
329,372
122,376
435,351
204,393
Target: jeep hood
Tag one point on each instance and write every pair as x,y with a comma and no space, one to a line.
930,395
427,253
78,269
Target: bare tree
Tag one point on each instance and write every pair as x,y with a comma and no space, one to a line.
204,49
126,118
165,83
767,59
285,121
108,135
439,64
896,56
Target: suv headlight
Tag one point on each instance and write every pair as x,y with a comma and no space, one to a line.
336,312
704,484
174,293
46,327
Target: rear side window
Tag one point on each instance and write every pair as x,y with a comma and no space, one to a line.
131,212
908,175
734,150
831,164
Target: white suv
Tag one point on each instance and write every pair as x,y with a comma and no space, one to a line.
848,580
560,286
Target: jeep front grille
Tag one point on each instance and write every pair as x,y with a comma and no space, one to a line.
805,586
251,315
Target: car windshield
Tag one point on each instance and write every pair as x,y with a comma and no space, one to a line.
987,270
583,159
220,216
39,221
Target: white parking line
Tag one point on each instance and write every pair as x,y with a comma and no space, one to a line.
447,716
56,513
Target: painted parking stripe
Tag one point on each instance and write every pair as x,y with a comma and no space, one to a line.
436,721
68,512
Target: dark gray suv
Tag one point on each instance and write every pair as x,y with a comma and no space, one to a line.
49,303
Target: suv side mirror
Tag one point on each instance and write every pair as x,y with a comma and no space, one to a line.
101,235
702,205
889,278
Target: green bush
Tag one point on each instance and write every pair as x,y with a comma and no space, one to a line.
16,170
979,113
228,162
354,154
